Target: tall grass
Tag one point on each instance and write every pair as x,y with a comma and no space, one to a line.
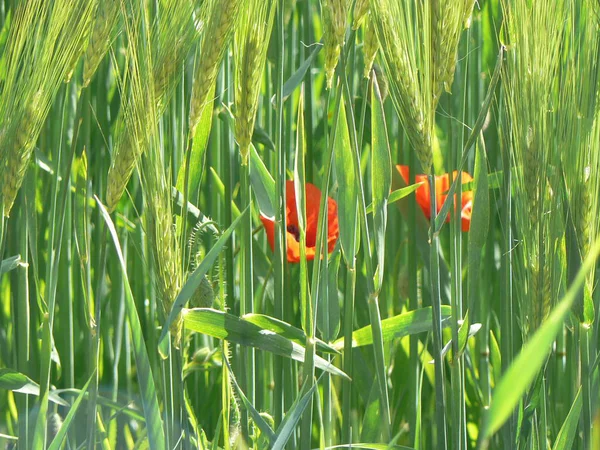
220,230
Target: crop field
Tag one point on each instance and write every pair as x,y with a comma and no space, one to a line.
299,224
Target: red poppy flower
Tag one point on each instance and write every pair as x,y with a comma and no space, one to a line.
313,199
442,184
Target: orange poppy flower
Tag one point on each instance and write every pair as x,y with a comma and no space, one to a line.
442,184
313,199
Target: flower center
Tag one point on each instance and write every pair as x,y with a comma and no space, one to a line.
293,229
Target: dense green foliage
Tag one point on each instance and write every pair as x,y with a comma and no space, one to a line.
217,229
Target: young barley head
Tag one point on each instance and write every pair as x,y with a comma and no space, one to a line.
251,43
223,18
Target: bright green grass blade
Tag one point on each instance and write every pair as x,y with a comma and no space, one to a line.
381,177
568,430
10,264
294,81
292,417
194,280
479,225
17,382
107,403
411,322
194,160
222,325
445,209
62,433
532,357
347,189
398,194
286,330
263,184
154,423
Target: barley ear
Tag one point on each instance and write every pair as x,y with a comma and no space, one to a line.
222,20
251,44
107,14
334,14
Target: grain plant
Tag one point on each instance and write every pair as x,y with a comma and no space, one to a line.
299,224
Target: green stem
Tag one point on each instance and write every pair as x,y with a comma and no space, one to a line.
373,301
348,327
280,225
436,302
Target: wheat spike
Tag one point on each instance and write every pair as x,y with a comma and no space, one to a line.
361,8
223,18
408,94
334,28
107,15
251,43
36,67
171,40
370,47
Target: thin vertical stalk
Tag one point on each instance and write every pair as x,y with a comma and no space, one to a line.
413,303
308,89
373,302
348,327
247,290
584,345
280,226
436,302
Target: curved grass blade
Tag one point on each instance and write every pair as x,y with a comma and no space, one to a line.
398,194
292,417
286,330
193,162
347,188
294,81
17,382
62,433
532,357
222,325
479,224
10,264
568,430
412,322
381,177
154,423
263,184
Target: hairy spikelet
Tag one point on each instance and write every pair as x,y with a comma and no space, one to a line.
361,8
171,40
36,65
107,14
370,47
222,20
140,118
541,295
448,17
410,88
334,14
251,44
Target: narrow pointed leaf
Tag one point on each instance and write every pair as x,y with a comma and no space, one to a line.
381,176
154,423
405,324
226,326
